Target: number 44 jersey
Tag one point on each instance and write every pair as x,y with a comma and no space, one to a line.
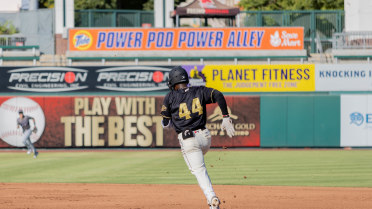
186,108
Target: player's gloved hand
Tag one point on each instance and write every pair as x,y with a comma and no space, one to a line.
228,126
35,130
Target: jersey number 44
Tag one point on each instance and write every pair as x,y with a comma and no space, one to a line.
196,107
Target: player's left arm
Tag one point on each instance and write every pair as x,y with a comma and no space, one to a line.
33,120
217,96
212,95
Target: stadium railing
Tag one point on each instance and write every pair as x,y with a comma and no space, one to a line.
352,45
15,53
322,22
268,55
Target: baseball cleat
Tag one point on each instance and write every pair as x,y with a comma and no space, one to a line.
36,154
215,203
28,151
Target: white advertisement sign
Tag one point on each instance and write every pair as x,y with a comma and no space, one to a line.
356,120
343,77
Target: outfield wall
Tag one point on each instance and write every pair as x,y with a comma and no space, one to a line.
271,105
117,121
300,121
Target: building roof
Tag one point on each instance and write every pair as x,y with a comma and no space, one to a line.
206,8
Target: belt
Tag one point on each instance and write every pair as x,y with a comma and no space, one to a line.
188,133
196,130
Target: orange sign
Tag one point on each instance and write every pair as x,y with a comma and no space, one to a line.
107,39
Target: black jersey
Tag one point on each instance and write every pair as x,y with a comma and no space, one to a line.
24,122
187,107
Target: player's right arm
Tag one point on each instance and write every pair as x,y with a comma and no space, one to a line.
165,112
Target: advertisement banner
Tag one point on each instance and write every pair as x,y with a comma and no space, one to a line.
226,78
343,77
255,78
115,121
154,39
356,120
84,79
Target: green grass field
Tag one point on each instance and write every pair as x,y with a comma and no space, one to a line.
340,168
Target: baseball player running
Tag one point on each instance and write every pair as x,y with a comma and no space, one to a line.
184,108
24,122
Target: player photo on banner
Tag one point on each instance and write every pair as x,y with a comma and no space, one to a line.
119,121
11,132
356,120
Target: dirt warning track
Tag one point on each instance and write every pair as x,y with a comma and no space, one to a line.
132,196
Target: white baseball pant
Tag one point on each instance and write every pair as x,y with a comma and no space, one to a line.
27,141
193,151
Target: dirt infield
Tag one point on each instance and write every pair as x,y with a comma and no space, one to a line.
77,196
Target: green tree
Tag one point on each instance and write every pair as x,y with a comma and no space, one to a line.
149,5
95,4
8,28
291,4
46,3
83,4
109,4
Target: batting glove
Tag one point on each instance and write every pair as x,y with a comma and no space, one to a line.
228,126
